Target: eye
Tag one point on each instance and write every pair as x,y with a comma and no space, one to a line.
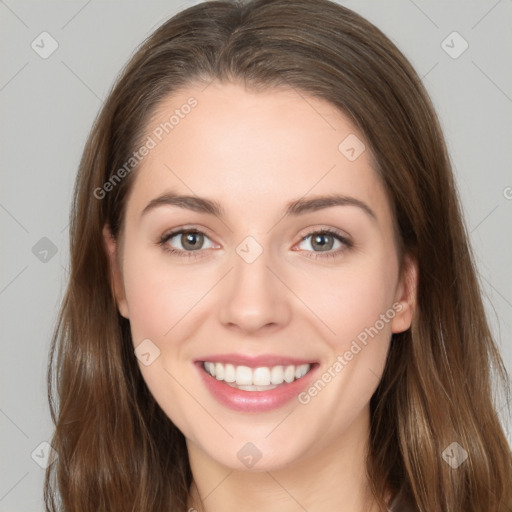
190,240
324,241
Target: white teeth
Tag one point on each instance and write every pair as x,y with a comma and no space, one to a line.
261,376
243,375
300,371
255,379
210,368
219,371
277,375
229,373
289,374
252,388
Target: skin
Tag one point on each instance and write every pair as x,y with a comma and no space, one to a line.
254,153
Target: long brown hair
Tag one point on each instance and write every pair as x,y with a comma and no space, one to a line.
117,450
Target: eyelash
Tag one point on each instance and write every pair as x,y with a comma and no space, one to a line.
347,244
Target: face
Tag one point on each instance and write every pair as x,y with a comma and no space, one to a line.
290,300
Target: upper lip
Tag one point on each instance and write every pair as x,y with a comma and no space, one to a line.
255,361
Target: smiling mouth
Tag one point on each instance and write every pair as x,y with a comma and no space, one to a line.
263,378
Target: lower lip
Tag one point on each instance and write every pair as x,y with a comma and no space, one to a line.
254,401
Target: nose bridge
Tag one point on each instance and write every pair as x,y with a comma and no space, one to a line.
254,297
251,265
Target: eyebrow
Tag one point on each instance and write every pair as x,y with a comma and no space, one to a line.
293,208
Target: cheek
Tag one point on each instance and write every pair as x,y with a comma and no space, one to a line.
146,304
159,297
359,309
158,294
355,300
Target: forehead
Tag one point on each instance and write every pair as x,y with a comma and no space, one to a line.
254,151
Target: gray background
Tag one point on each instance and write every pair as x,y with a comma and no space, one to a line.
47,107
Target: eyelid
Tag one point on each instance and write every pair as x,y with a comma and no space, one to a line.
325,228
186,228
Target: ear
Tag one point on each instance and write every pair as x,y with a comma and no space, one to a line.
115,271
406,295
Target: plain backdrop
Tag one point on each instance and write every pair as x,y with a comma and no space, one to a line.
47,106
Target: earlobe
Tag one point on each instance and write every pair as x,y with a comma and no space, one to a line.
405,296
116,279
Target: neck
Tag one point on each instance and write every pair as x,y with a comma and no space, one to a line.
333,478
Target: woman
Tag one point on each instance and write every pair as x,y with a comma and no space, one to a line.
272,301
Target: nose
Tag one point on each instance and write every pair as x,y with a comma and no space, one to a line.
254,297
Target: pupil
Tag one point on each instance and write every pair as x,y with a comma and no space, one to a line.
318,240
190,240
